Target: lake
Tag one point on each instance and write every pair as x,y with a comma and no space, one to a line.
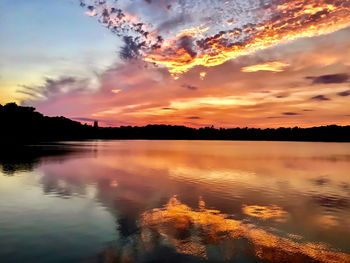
176,201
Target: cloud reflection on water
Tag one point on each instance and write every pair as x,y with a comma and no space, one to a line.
265,212
293,197
191,231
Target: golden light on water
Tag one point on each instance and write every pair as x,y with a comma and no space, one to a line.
215,227
265,212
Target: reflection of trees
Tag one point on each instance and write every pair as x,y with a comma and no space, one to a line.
25,158
18,159
174,233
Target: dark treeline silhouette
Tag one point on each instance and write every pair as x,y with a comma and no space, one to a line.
14,158
23,124
20,125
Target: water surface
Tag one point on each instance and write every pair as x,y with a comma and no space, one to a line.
172,201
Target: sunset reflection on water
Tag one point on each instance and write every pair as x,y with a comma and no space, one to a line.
143,201
190,231
265,212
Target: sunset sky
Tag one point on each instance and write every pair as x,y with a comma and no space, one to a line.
227,63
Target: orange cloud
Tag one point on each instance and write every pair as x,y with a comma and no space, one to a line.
275,66
227,97
115,91
289,21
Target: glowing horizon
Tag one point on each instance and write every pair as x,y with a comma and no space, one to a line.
258,64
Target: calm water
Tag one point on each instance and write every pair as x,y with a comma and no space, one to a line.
176,201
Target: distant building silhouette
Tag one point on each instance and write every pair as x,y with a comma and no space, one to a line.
95,124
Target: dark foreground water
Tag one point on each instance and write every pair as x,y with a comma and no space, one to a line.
176,201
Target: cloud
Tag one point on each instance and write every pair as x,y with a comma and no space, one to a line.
344,93
281,96
186,43
174,22
290,113
320,98
51,87
190,87
287,22
321,181
130,49
276,66
193,118
191,33
227,97
83,119
332,201
330,79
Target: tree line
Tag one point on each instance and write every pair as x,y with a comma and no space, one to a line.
20,125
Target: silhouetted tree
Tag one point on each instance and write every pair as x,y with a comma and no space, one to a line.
24,125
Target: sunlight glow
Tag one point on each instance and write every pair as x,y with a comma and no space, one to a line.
275,66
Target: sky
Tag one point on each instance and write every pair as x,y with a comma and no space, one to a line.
227,63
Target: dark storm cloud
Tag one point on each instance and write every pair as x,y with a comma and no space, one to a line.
329,79
290,113
344,93
320,98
